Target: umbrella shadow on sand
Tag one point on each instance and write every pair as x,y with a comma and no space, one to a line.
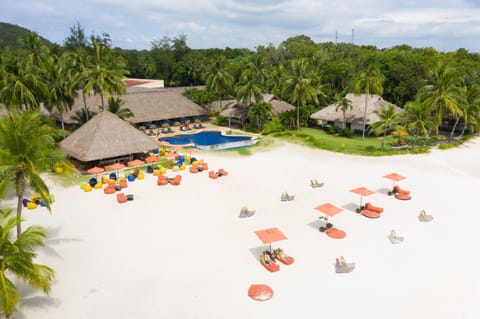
351,207
315,224
257,251
383,190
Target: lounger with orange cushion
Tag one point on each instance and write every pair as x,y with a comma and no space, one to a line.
377,209
212,175
397,189
402,196
205,166
121,198
222,172
370,213
269,264
335,233
281,257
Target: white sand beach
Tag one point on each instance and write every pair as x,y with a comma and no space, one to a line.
183,252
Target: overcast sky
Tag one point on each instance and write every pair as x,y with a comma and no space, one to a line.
445,25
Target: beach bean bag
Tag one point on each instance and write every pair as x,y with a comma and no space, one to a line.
260,292
370,213
113,176
31,205
163,170
335,233
149,169
98,185
123,183
193,169
182,167
141,176
131,178
87,188
25,201
403,196
92,181
109,190
371,207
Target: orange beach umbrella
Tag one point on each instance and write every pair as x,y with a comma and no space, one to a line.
270,235
95,170
362,191
135,162
329,209
394,177
116,166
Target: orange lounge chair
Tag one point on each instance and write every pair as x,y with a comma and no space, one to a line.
402,196
269,264
222,172
377,209
212,175
121,198
162,180
335,233
370,213
284,259
397,189
205,166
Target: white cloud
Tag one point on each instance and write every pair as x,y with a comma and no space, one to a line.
249,23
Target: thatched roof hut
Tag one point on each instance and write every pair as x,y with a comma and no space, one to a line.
106,136
234,109
354,116
146,104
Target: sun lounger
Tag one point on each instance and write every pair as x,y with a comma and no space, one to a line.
423,217
394,239
282,257
212,175
335,233
245,212
285,197
314,183
222,172
176,180
109,189
377,209
397,190
370,213
269,263
123,183
403,196
342,267
162,180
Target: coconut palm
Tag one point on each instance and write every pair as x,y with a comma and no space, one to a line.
389,119
27,148
471,109
298,85
115,106
82,116
17,260
444,94
260,113
343,104
249,90
219,79
103,72
368,82
19,86
419,119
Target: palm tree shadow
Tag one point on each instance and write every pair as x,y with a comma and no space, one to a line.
31,300
54,239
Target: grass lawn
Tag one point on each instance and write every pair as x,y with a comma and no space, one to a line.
371,146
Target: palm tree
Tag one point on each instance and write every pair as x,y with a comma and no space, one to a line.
471,109
82,116
104,72
298,85
219,79
343,104
27,148
260,113
419,119
61,89
444,94
249,90
115,106
17,259
19,86
368,82
389,118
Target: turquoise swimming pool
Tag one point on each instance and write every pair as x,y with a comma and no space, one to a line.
210,140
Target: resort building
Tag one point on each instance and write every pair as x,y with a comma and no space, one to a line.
355,116
236,112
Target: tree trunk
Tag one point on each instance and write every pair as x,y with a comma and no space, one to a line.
344,120
103,103
453,129
383,139
298,115
85,104
365,116
63,124
20,193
